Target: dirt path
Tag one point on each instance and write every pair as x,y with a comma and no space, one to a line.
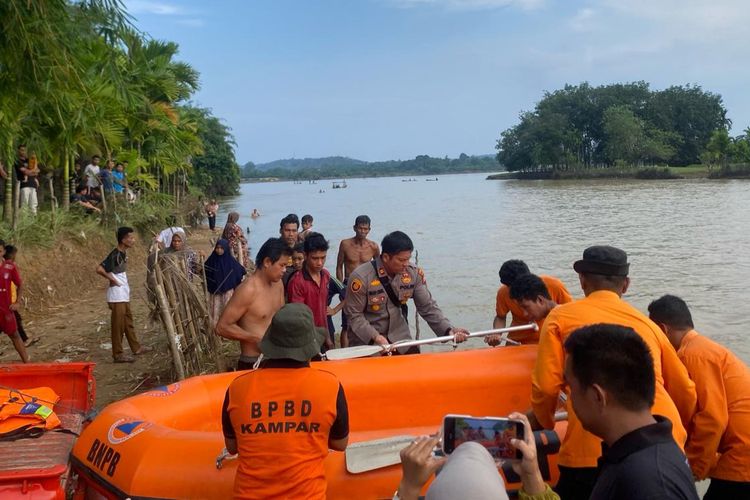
76,327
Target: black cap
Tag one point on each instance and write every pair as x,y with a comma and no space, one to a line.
603,259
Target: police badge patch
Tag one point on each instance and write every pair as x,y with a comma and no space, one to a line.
356,285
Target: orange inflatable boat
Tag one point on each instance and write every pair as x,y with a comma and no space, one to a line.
165,443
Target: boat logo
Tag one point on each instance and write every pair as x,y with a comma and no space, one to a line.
163,391
356,285
126,428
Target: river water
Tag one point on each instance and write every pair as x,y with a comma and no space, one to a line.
685,237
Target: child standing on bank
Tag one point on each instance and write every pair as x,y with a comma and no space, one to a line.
10,255
8,305
114,269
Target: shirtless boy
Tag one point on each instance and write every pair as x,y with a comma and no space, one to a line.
248,314
353,252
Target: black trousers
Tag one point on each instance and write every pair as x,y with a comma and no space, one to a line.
576,483
19,324
212,222
721,488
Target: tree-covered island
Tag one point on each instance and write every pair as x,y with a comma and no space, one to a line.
623,130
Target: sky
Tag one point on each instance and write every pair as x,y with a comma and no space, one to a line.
393,79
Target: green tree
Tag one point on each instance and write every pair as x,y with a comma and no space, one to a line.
692,113
215,170
625,135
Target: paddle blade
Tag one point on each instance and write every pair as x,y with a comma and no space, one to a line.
357,351
375,454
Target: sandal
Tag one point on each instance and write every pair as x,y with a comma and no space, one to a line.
124,358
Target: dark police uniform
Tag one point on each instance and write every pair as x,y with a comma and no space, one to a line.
371,312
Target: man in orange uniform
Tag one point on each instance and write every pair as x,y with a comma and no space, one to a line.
718,445
603,274
283,417
509,272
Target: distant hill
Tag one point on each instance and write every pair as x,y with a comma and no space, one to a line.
300,163
341,167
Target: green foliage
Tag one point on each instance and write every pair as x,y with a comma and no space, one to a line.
215,171
76,79
731,171
421,165
45,229
584,126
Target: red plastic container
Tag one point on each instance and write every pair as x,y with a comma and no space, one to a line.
39,468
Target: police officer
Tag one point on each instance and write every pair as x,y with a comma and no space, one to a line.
376,301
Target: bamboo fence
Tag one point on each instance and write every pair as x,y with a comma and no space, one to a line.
181,301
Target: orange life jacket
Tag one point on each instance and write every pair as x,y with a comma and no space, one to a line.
27,409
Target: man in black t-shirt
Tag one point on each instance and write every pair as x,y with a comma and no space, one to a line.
610,372
114,269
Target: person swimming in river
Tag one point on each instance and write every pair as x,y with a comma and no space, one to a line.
255,213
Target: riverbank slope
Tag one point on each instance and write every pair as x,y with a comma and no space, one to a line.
66,312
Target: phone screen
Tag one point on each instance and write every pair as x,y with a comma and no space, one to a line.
492,433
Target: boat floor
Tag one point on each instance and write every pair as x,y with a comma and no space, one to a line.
50,450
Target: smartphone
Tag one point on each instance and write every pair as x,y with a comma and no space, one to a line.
494,433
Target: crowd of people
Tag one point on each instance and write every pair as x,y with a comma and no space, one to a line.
90,185
652,405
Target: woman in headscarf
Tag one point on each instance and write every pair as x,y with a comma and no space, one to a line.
223,274
179,246
236,238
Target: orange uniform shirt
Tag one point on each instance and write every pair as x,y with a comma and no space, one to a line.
718,443
504,305
675,392
282,419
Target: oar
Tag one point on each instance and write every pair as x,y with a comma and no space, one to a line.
361,351
378,453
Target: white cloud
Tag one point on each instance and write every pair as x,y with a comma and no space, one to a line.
471,4
191,22
149,7
695,20
584,20
178,13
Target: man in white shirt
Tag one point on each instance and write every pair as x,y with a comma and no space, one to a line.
91,173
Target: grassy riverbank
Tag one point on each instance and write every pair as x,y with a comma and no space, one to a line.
63,299
696,171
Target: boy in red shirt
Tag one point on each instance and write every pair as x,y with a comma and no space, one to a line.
9,274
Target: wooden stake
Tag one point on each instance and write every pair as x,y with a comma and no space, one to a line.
171,333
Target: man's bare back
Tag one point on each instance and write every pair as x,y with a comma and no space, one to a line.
352,253
249,312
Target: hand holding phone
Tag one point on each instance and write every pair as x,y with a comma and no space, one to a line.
418,464
528,467
494,433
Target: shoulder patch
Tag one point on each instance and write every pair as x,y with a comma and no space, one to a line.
356,285
420,272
